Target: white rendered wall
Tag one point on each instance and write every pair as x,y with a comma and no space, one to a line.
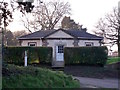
25,42
95,42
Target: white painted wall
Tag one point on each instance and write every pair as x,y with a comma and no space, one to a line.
69,43
52,43
60,34
95,42
25,42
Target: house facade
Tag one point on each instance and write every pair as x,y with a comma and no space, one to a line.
58,39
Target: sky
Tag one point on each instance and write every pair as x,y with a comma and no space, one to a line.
88,12
85,12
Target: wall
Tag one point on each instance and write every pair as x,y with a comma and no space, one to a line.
82,42
25,42
60,34
53,43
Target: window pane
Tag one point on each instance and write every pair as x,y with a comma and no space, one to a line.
31,43
60,49
89,43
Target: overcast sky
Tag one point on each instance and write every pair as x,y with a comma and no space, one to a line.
85,12
88,12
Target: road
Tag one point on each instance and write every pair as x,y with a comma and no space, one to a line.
98,83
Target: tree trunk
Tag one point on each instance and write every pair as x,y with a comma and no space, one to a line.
119,41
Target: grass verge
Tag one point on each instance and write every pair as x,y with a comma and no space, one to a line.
112,60
32,77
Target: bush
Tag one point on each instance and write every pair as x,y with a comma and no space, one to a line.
15,55
85,55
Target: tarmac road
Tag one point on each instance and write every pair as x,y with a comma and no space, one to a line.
98,83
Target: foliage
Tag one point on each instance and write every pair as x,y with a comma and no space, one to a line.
9,39
109,28
112,60
85,55
32,77
15,55
5,15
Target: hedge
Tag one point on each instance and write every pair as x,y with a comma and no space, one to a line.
15,55
85,55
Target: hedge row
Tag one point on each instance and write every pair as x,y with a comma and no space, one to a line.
72,55
15,55
85,55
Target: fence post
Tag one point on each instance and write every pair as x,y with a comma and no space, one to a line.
25,59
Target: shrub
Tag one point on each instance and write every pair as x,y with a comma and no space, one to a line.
15,55
85,55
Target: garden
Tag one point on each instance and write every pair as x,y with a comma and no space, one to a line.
39,74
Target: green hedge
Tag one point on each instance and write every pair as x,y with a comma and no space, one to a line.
15,55
85,55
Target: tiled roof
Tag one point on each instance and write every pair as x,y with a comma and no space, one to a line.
37,35
75,33
82,34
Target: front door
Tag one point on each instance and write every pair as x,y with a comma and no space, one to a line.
60,53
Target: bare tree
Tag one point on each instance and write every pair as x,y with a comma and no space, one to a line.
17,34
109,28
46,15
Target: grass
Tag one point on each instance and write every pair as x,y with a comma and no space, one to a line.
112,60
34,77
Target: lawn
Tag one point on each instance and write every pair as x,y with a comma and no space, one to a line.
35,77
112,60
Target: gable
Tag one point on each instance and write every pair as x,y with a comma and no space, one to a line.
60,34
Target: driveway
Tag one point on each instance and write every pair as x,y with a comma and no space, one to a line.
93,76
91,72
97,83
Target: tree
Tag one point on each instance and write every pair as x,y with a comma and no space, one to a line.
6,10
109,28
8,38
5,15
46,15
17,34
68,23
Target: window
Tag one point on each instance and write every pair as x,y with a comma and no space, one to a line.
60,49
89,43
32,43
